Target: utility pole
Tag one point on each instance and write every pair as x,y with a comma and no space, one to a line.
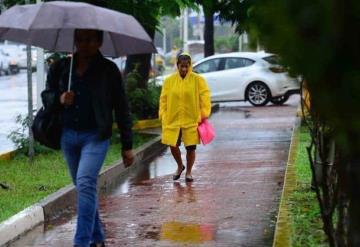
181,22
40,73
30,99
240,42
186,47
164,40
200,27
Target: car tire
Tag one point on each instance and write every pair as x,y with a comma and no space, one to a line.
258,94
279,100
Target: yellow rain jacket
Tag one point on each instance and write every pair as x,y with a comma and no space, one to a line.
183,103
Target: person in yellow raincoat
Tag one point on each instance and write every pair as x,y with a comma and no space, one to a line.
184,103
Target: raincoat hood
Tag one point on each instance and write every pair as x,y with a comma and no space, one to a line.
190,67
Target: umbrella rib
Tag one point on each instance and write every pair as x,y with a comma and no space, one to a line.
113,44
56,39
34,17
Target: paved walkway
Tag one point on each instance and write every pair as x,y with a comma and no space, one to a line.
232,202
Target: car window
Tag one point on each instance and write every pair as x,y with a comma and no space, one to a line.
236,62
208,66
273,59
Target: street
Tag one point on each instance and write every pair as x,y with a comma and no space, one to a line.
232,202
13,101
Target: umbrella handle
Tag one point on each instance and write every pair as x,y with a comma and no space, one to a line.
70,74
71,65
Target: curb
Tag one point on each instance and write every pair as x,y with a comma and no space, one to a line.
282,235
64,200
20,223
155,123
146,124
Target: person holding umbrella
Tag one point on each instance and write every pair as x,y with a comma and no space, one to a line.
96,91
86,88
184,103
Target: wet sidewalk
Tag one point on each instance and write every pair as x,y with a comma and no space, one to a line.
232,202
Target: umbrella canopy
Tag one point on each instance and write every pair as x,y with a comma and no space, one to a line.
51,26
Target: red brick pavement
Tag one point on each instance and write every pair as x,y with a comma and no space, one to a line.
232,202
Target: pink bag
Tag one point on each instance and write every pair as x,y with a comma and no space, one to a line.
206,132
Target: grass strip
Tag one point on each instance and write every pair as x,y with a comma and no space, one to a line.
303,205
28,183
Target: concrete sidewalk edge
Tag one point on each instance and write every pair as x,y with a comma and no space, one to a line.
64,199
282,235
20,223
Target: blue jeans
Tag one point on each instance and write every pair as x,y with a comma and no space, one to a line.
85,154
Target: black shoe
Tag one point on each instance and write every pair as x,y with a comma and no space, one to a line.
94,245
176,177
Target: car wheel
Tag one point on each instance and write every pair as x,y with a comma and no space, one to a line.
258,94
279,100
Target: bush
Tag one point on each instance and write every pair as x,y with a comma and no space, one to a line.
227,44
20,137
144,103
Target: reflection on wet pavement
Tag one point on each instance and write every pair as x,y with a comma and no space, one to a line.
187,232
233,200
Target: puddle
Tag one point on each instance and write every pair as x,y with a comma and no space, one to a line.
187,232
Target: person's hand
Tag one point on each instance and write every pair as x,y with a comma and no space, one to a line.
128,157
67,98
203,118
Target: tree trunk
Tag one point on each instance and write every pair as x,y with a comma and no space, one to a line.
209,33
354,206
143,61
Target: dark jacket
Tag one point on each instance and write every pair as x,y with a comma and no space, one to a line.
107,92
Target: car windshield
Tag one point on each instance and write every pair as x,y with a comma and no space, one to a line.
272,59
208,66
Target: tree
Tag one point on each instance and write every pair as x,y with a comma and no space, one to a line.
148,13
210,7
316,39
234,11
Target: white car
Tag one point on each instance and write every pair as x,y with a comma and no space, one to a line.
18,53
247,76
7,65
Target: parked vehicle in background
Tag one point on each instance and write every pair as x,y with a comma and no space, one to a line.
23,57
7,64
17,53
197,57
254,77
246,76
